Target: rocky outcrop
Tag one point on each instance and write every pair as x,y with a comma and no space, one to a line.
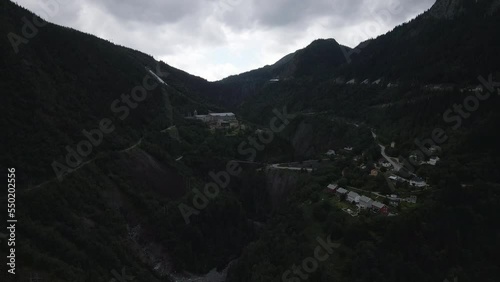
279,184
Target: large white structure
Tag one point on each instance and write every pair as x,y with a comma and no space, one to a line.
218,120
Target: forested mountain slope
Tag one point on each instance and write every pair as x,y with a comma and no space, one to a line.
103,156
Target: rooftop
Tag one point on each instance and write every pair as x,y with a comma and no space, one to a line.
353,194
378,205
365,199
342,190
221,114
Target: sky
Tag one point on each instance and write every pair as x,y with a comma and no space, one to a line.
217,38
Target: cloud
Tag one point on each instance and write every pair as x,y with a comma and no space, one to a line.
218,38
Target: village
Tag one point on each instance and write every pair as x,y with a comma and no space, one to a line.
397,181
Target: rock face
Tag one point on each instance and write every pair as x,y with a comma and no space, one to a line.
302,140
280,183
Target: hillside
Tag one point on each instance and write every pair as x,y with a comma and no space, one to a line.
432,64
453,42
108,165
103,157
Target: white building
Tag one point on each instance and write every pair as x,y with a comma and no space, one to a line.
380,208
203,118
223,120
433,161
330,153
222,116
353,197
418,182
365,202
386,164
341,191
332,187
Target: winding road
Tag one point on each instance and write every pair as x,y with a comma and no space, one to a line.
396,165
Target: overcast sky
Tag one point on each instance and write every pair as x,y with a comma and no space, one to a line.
217,38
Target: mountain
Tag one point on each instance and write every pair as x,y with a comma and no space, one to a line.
104,155
319,59
107,164
450,9
414,52
437,74
453,42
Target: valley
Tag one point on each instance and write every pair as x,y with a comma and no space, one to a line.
313,168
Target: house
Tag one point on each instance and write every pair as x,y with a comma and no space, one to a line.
394,203
393,178
330,153
386,164
433,161
352,81
380,208
365,202
366,81
332,187
414,159
411,199
418,182
391,85
374,172
353,197
274,80
349,149
341,192
377,82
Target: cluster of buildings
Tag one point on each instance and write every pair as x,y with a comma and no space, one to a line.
218,120
363,202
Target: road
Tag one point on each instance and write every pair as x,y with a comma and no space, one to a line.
278,166
394,164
